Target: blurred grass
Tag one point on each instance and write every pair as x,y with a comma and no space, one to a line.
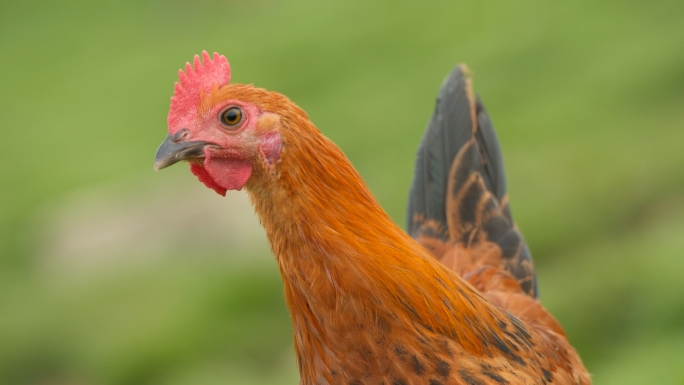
586,97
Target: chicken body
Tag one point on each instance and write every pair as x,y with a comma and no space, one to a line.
370,304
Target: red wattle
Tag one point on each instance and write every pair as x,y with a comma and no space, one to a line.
204,177
229,173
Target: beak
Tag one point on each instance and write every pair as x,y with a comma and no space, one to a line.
173,150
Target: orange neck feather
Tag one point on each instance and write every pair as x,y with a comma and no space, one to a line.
335,245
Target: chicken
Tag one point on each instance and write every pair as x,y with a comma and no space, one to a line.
369,303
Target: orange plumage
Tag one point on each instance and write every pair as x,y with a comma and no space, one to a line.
369,303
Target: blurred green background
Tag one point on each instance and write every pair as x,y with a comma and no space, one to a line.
113,274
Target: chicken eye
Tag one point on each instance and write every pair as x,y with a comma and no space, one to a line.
231,116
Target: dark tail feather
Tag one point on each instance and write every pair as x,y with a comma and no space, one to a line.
492,167
459,185
449,129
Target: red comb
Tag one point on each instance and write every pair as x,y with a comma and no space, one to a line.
203,77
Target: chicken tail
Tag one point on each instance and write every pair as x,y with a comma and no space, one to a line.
458,193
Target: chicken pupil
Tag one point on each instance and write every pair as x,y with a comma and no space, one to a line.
232,116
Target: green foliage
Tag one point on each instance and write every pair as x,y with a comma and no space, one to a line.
586,97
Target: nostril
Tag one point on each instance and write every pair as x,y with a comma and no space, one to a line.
180,135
